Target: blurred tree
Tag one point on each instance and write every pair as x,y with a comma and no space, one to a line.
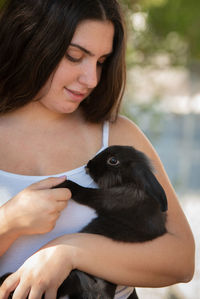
163,27
2,2
180,16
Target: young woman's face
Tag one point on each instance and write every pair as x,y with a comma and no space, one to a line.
79,71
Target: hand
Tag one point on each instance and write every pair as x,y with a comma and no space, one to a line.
42,273
36,209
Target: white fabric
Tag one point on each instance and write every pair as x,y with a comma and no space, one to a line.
72,219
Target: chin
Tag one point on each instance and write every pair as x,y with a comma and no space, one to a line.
68,109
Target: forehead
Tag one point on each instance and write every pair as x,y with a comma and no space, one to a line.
96,36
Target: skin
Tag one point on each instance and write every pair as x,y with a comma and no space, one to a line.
56,119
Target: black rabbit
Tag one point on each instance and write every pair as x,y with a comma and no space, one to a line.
130,205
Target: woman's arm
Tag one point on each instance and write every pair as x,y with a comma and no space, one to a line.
164,261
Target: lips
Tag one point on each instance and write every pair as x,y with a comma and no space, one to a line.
75,94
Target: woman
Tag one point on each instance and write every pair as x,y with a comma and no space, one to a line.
62,78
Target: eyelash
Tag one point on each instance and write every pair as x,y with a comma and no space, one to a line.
72,58
79,59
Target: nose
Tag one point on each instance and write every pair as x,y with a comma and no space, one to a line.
89,76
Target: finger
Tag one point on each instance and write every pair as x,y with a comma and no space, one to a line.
51,294
21,292
9,285
61,194
61,205
2,294
48,183
35,293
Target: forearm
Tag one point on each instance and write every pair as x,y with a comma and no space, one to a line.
152,264
6,240
7,233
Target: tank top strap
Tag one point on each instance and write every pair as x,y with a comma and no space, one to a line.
105,138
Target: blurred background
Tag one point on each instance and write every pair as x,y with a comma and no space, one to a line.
163,98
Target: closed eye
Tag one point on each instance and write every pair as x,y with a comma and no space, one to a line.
75,53
73,59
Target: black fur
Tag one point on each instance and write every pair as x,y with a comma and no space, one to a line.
130,205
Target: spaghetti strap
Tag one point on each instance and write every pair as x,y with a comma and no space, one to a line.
105,140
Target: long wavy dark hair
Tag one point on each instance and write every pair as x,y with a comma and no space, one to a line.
34,37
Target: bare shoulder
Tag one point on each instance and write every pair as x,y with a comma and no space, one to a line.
126,132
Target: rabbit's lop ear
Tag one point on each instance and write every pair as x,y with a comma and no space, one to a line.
154,189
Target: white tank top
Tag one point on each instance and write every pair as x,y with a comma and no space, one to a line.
72,219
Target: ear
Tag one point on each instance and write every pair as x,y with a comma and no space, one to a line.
154,189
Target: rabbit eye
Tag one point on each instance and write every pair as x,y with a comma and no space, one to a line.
113,161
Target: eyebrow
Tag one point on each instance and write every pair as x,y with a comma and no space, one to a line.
87,51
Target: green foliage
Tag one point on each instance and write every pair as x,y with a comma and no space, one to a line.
2,3
172,27
180,16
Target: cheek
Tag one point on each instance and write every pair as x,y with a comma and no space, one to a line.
63,74
60,78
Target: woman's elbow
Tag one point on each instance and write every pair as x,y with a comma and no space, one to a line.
188,271
185,271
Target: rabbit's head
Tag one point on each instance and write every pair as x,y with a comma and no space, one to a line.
124,165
